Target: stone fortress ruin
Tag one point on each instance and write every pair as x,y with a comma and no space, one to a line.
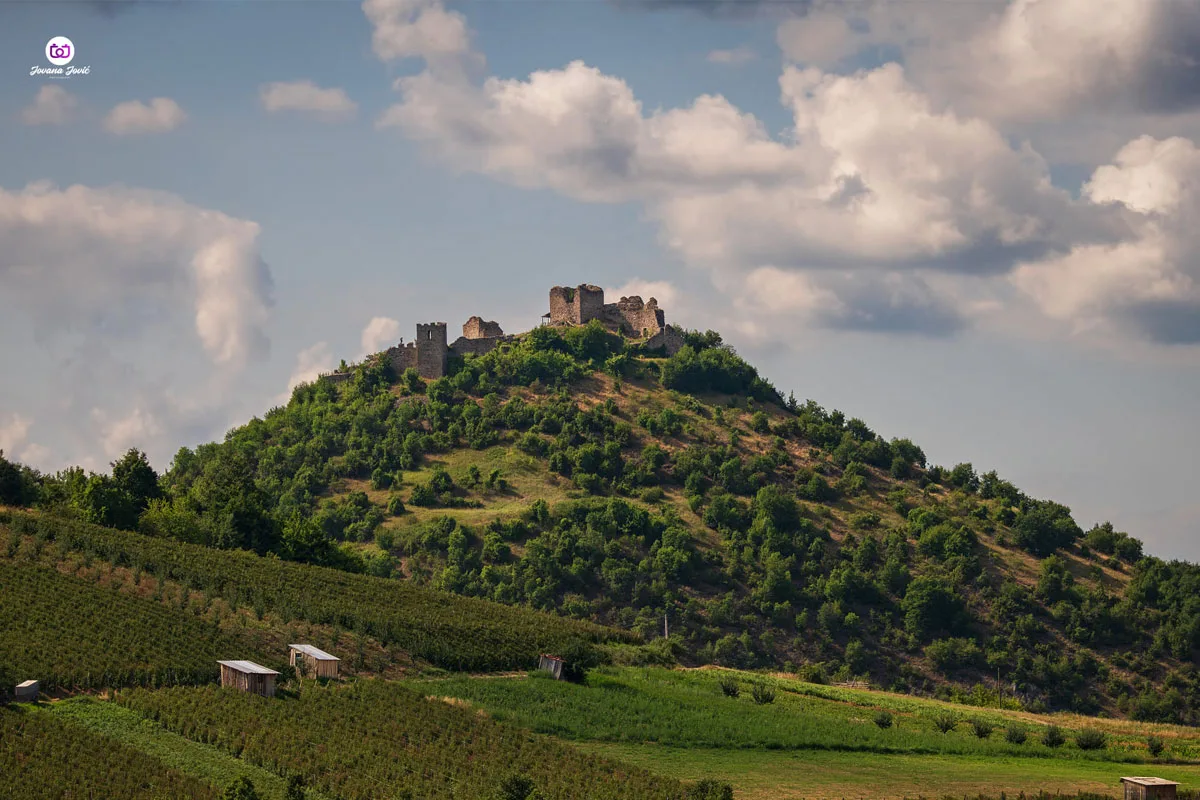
569,306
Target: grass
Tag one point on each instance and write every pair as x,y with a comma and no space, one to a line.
687,708
200,761
831,775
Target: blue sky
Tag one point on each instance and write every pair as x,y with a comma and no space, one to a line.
861,213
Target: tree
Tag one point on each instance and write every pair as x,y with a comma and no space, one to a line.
240,789
18,485
1045,527
133,475
295,789
930,606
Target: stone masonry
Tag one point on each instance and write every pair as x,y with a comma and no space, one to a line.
632,318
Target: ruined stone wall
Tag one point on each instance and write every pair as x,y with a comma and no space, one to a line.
589,302
634,318
463,346
431,350
563,308
479,328
401,357
669,339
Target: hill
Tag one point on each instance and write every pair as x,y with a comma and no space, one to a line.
572,471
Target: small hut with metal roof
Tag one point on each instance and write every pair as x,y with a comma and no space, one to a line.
1149,789
312,662
247,676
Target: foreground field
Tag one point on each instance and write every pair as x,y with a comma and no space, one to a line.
821,742
828,775
687,708
374,739
45,758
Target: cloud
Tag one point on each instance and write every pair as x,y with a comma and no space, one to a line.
720,9
738,55
161,115
876,190
15,444
380,334
664,292
1149,283
422,29
1051,58
114,262
306,96
53,105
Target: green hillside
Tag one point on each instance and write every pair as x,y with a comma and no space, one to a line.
574,474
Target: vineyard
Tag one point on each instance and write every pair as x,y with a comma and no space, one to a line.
446,630
71,634
372,739
42,758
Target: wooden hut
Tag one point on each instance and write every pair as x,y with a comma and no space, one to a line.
312,662
551,664
27,692
1148,789
247,676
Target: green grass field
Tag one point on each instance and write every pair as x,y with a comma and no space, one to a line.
830,775
817,741
686,708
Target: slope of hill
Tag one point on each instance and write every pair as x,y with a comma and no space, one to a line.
449,631
572,473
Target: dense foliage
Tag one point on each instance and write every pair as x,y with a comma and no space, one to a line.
44,758
68,633
453,632
766,532
372,739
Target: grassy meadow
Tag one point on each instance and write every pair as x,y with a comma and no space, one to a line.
817,741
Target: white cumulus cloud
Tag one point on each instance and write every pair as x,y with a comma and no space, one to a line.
160,115
306,96
379,334
53,105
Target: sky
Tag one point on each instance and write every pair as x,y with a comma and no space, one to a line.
964,221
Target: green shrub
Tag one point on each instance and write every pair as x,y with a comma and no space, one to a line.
762,694
945,722
1015,734
1090,739
709,789
1053,736
981,728
1155,745
729,687
395,505
883,719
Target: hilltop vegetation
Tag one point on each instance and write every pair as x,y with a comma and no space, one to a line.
569,472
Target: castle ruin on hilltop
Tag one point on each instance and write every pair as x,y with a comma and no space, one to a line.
579,305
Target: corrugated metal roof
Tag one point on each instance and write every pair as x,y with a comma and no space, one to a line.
1151,781
248,666
317,653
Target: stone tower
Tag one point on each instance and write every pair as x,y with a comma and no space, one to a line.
576,305
432,348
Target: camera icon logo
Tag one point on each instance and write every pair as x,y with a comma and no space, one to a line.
60,51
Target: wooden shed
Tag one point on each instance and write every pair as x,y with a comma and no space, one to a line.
551,664
1148,789
27,692
312,662
248,677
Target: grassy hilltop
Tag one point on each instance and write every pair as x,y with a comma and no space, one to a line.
571,473
565,493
